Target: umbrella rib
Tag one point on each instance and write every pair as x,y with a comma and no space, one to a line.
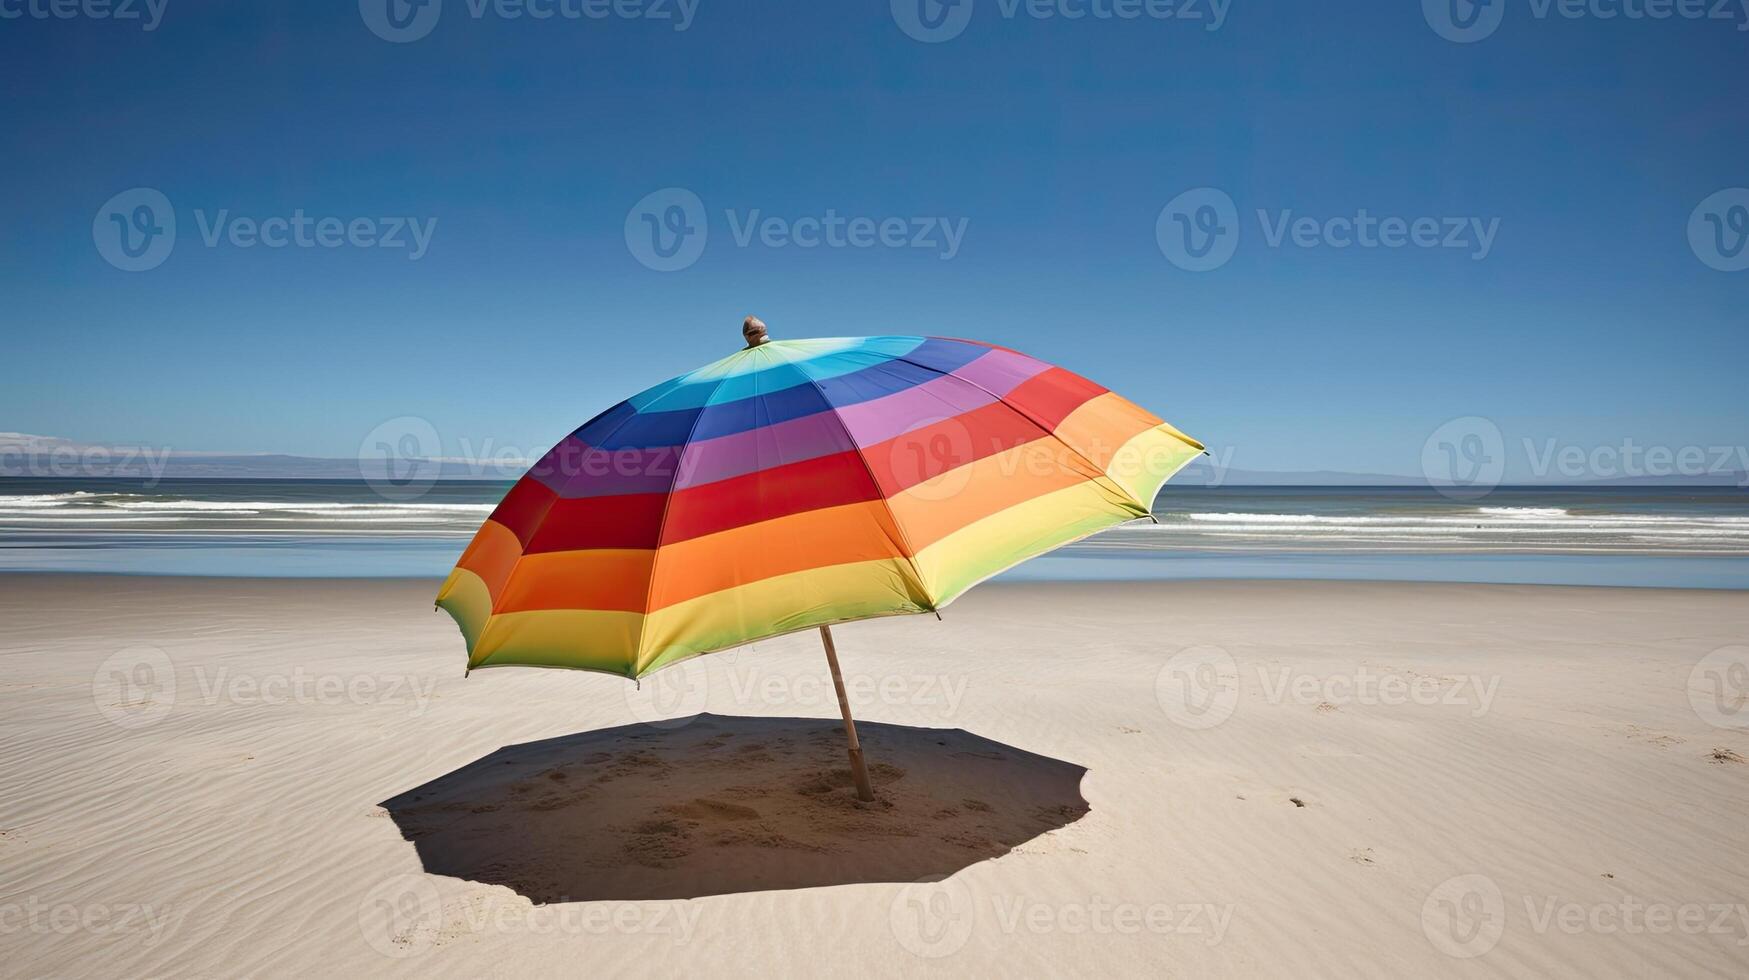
557,495
904,539
662,523
1102,478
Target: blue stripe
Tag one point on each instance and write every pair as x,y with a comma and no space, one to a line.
844,378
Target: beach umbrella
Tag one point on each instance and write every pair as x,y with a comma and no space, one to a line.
794,485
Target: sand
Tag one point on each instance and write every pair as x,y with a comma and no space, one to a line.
203,777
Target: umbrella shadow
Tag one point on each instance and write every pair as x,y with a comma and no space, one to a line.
725,804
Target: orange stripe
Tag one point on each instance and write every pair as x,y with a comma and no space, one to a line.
938,507
613,579
1101,426
491,555
798,542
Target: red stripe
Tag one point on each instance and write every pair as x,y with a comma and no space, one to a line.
523,507
1049,397
921,454
635,520
825,481
626,520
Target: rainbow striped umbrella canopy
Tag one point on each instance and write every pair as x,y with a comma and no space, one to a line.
798,484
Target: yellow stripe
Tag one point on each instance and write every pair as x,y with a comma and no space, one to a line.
465,597
607,641
1145,463
777,605
1101,425
582,639
983,548
941,505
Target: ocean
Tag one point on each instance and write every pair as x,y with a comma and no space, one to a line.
1669,537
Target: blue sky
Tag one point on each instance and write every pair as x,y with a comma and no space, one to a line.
1052,145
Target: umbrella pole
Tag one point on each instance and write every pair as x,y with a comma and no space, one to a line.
857,770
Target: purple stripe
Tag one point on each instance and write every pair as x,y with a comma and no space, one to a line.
1001,371
808,437
575,469
874,422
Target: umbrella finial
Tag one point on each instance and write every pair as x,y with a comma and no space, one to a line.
753,329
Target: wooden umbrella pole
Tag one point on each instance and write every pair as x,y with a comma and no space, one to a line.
857,770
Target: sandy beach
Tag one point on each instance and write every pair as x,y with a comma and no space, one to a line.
235,777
